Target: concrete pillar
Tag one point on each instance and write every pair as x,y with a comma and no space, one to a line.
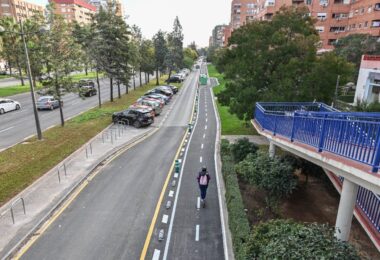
272,149
346,209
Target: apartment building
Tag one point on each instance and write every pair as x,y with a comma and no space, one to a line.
335,18
105,3
75,10
19,9
217,38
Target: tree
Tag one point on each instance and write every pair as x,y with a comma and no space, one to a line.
174,57
160,52
275,61
60,53
241,148
353,46
190,56
286,239
147,58
135,60
82,37
272,175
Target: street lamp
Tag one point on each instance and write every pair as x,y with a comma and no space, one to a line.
22,34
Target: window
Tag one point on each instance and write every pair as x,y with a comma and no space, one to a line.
321,16
308,2
366,24
320,29
323,2
351,14
362,10
377,7
338,1
250,5
376,23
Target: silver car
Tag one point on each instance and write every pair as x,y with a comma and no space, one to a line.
47,102
153,104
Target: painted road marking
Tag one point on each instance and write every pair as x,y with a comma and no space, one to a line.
6,129
206,119
156,254
201,146
171,193
197,233
206,127
175,175
204,135
165,219
206,114
200,159
198,203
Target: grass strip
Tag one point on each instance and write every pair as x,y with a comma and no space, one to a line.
231,124
23,163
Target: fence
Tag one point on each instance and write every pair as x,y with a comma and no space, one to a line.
351,135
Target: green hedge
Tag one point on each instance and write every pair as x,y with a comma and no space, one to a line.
238,221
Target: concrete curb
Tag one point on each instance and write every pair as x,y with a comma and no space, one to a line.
100,162
218,162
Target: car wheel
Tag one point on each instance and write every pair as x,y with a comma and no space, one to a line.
17,107
137,124
2,111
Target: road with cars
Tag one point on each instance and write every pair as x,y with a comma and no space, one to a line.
110,218
17,125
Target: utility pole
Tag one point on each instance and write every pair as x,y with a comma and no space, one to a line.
336,91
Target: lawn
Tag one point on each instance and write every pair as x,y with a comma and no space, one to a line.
14,90
5,77
231,125
22,164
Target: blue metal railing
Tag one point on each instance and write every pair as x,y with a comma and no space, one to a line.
352,135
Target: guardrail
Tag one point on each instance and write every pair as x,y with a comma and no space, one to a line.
352,135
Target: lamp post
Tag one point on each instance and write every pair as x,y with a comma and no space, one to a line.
22,34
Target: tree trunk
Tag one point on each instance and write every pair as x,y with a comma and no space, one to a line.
86,69
34,82
148,77
20,73
140,78
111,89
145,77
97,81
59,100
134,79
157,81
126,88
118,89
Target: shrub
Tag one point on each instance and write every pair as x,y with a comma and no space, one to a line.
242,148
286,239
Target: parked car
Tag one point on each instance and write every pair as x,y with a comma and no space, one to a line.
134,116
174,79
48,102
7,105
159,91
138,106
153,104
3,72
164,98
161,102
86,82
166,88
87,91
173,88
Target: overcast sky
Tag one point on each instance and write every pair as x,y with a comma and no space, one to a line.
198,17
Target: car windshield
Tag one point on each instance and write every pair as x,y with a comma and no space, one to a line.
43,99
146,114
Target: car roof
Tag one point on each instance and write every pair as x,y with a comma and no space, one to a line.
46,97
141,110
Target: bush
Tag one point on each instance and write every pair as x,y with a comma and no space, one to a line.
242,148
273,175
237,218
286,239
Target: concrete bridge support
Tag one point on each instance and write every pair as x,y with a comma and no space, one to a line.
346,209
272,149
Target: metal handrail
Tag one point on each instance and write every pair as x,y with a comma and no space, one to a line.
13,203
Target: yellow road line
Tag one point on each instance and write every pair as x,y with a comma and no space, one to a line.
159,202
73,196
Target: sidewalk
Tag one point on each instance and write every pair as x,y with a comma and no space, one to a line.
46,194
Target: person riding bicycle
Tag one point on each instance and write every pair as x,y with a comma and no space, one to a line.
203,181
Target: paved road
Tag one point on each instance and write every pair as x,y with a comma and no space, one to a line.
8,82
194,233
111,217
17,125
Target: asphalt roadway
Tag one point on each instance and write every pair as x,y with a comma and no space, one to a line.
110,218
15,126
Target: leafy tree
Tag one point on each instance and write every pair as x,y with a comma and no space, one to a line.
273,175
82,37
147,58
174,57
190,56
353,46
136,58
160,52
275,61
242,148
286,239
60,53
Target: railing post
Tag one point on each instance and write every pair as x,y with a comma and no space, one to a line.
293,128
322,136
275,125
376,161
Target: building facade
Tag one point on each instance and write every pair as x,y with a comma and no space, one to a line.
334,18
368,84
105,3
217,38
75,10
19,9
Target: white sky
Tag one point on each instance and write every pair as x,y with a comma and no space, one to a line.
197,17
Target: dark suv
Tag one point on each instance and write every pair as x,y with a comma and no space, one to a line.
86,88
134,116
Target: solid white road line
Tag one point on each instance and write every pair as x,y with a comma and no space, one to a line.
200,159
204,135
171,193
6,129
156,254
198,202
206,119
205,127
202,146
165,219
197,233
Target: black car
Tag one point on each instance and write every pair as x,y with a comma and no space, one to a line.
159,91
134,116
87,91
174,88
85,82
174,79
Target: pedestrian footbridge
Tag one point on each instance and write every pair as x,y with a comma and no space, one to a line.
345,145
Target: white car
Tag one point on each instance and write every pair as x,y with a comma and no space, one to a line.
7,105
